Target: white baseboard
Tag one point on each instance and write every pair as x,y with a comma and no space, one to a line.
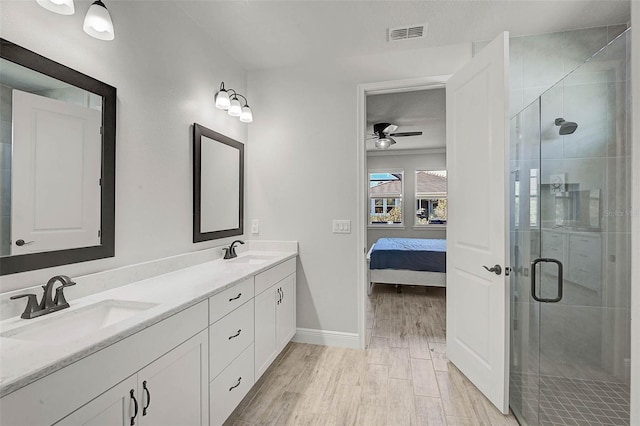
327,338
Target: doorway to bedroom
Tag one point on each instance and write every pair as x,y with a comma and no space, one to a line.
406,217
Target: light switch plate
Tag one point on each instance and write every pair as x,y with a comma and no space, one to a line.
255,226
341,226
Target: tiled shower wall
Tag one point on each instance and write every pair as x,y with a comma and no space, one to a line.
538,62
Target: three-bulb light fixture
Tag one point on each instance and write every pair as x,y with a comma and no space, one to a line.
97,21
230,103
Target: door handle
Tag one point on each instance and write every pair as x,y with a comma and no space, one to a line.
22,242
534,294
496,269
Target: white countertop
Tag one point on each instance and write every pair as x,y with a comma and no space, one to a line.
23,362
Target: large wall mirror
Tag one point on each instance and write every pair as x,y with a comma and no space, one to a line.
57,163
218,185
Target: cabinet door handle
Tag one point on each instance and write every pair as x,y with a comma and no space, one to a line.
146,390
235,335
235,298
236,385
282,294
135,407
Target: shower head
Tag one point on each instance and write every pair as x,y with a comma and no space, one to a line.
566,127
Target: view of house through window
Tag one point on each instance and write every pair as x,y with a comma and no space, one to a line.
385,197
431,197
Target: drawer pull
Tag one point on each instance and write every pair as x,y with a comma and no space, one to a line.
146,390
135,407
236,385
235,335
235,298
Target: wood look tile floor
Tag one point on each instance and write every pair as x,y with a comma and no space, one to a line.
403,378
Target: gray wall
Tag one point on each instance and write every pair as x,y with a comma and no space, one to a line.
5,170
166,81
408,163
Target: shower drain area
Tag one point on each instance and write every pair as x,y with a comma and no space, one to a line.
567,401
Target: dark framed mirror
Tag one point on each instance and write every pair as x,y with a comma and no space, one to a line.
218,185
58,163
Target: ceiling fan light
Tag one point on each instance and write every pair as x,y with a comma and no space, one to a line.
234,108
97,22
222,100
384,143
62,7
246,116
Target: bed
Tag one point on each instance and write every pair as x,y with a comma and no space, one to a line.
412,261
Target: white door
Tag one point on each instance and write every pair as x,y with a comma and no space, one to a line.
477,299
174,390
55,174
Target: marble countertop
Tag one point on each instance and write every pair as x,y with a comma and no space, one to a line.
25,361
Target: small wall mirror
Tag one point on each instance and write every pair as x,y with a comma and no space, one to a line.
57,163
218,185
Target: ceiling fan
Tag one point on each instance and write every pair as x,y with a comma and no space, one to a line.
384,131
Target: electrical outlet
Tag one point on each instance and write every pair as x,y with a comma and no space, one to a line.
255,226
341,226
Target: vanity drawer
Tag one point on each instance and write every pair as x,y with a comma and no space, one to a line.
228,389
271,276
223,303
223,346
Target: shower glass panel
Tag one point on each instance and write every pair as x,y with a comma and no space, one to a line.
570,249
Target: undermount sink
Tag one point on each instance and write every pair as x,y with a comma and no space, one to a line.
252,259
66,326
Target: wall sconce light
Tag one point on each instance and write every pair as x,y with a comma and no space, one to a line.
63,7
232,104
97,21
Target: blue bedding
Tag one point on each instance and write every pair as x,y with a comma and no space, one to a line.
414,254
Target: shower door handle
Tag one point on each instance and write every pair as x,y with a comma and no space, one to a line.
534,293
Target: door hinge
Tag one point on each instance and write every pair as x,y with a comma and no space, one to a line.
99,233
102,130
100,182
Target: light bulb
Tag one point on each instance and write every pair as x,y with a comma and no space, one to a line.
97,22
234,108
246,116
222,100
63,7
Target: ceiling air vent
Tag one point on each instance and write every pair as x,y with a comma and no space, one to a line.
405,33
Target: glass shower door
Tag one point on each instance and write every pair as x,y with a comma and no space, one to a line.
570,248
583,194
524,165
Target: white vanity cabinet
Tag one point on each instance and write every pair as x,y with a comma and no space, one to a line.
191,368
171,356
169,391
275,313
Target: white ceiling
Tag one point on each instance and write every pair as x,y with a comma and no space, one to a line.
422,110
265,34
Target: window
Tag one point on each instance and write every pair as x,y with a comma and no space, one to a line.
431,197
385,198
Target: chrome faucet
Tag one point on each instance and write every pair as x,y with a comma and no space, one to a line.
230,252
49,302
